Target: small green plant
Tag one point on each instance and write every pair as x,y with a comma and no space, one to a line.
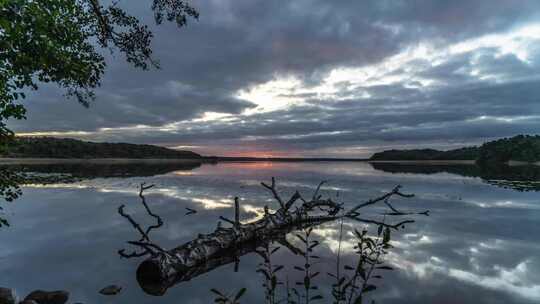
338,290
270,273
305,294
356,281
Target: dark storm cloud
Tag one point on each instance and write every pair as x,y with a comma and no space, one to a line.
163,104
238,44
455,115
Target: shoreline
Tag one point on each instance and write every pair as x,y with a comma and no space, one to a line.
203,160
427,162
213,160
44,161
511,163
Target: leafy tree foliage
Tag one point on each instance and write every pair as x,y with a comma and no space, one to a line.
9,190
524,148
469,153
58,41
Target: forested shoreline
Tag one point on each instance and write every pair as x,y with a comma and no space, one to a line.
48,147
522,148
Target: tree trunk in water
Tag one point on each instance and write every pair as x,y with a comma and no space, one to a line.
164,268
223,246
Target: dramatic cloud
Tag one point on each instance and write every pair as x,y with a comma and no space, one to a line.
317,78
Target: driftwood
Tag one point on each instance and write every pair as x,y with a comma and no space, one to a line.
165,268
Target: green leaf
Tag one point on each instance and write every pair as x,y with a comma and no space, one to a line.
278,268
358,234
301,238
317,297
216,292
307,282
240,293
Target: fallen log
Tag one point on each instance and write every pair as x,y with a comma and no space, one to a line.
160,284
165,268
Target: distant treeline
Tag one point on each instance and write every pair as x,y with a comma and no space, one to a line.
48,147
470,153
525,148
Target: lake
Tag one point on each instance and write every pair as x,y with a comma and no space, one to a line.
479,244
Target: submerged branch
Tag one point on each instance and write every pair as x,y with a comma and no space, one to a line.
144,242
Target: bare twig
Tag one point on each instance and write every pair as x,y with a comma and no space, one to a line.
143,201
227,220
398,212
384,197
134,254
150,246
144,242
133,223
292,200
316,195
393,226
236,212
283,241
190,211
272,189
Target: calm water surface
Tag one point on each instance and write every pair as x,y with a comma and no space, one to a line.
480,244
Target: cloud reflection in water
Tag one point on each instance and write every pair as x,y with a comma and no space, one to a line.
66,236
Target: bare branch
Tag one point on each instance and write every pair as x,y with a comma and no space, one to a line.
272,189
134,254
151,247
136,225
384,197
393,226
316,195
144,242
292,200
399,212
227,220
190,211
283,241
143,201
333,207
236,212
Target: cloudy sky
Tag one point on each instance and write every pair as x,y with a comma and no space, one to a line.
317,78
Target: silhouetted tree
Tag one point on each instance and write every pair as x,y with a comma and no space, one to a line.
57,41
524,148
